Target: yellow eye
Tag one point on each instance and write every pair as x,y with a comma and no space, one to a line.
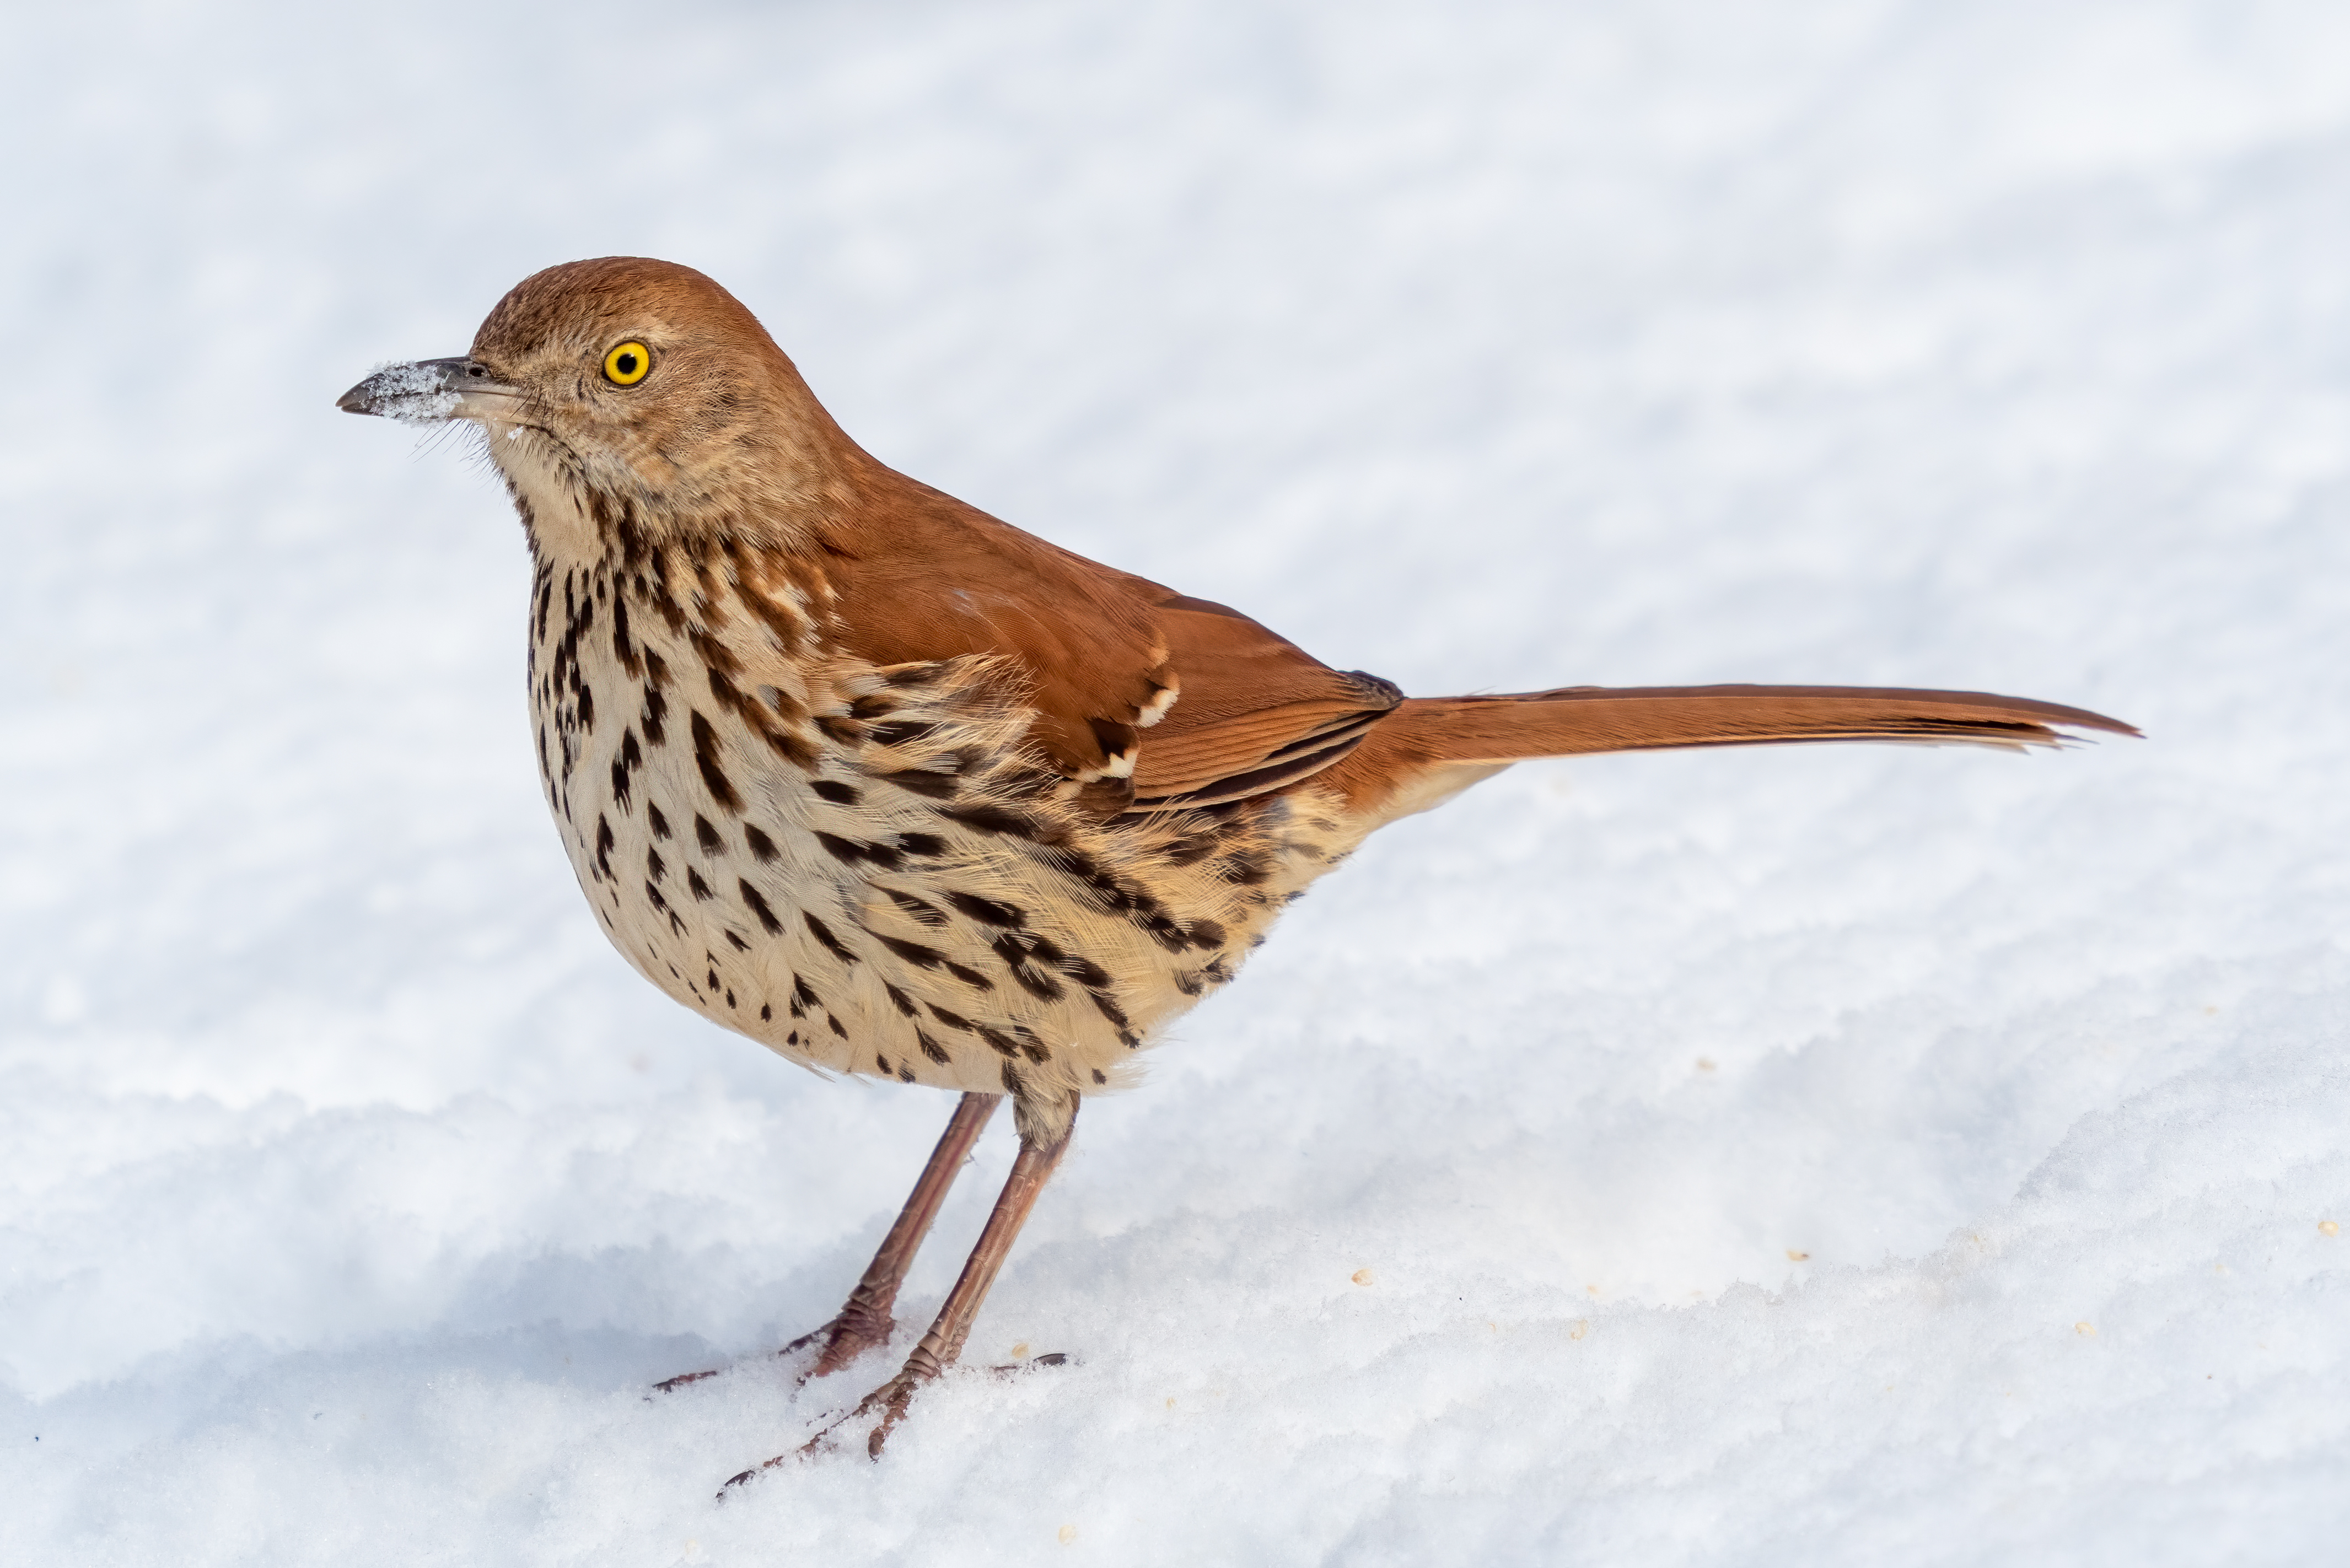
626,365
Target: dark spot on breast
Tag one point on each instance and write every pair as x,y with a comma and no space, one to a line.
653,816
707,836
1085,972
898,733
761,847
1016,951
715,654
698,888
785,744
1188,849
924,844
988,817
970,976
951,1019
987,909
587,707
899,1000
928,914
619,784
1011,1081
652,894
705,757
1100,1076
911,675
849,854
714,979
653,715
604,842
1243,870
758,906
623,648
654,866
834,790
767,1012
881,1062
1163,931
1207,934
834,1025
844,731
904,1073
632,754
919,781
912,952
932,1048
823,933
804,997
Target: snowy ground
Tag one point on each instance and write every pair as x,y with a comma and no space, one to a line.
1867,1156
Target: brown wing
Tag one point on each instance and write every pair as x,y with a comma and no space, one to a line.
1189,702
1255,711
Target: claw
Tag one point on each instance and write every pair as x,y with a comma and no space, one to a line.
672,1384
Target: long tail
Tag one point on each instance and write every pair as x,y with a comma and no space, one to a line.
1577,719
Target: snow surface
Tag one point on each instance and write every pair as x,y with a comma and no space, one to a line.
1823,1156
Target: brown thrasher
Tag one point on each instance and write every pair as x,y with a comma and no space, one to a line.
896,789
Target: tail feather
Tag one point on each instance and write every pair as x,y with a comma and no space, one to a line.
1581,719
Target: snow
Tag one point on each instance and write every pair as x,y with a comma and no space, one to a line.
410,393
1824,1156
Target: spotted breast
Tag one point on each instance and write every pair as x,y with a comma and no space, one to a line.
866,867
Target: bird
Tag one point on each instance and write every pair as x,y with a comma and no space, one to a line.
899,791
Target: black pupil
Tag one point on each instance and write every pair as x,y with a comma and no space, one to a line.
625,364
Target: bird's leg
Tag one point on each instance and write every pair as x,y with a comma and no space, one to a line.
940,1346
865,1320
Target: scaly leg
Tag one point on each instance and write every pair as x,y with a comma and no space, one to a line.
865,1321
944,1342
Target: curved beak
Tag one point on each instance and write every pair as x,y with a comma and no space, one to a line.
432,391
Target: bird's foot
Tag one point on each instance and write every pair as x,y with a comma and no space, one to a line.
672,1384
842,1341
889,1401
836,1343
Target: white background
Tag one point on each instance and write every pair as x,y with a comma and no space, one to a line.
1814,1156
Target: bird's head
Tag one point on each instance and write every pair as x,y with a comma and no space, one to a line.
631,393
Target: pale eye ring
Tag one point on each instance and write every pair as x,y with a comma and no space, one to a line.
627,363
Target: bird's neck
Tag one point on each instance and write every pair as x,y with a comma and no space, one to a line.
578,514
